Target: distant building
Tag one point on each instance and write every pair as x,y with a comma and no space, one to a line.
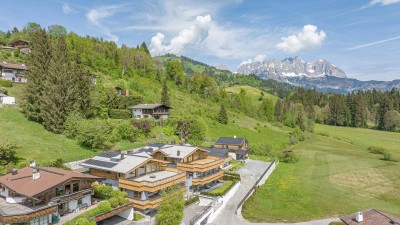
13,72
6,100
157,111
238,147
22,45
371,217
37,195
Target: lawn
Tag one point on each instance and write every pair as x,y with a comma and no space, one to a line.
332,178
223,188
36,143
251,91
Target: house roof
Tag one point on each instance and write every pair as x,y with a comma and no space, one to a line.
148,106
24,184
178,151
16,41
3,95
7,65
372,217
113,162
217,152
229,141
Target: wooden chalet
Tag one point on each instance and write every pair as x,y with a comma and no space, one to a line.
38,195
157,111
238,147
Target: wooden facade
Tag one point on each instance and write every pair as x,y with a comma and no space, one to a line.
152,186
208,179
27,217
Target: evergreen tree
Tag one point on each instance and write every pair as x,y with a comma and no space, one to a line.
279,110
223,116
267,109
164,93
384,107
301,120
144,48
38,61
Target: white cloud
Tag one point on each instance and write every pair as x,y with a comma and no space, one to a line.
384,2
258,58
98,15
309,38
66,8
193,35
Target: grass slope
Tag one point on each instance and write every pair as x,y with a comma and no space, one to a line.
251,91
35,142
332,178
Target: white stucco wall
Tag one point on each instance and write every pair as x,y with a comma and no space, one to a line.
8,100
136,113
87,199
224,200
4,193
72,205
113,183
14,200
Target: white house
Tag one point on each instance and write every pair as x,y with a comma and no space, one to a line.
157,111
6,100
13,72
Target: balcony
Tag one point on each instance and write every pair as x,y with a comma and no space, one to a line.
150,203
73,196
208,179
154,181
201,165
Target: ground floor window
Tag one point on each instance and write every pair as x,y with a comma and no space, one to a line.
44,220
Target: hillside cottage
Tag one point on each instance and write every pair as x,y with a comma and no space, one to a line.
39,195
22,45
13,72
157,111
238,147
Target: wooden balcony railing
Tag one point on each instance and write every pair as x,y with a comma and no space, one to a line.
198,167
73,196
152,186
146,204
208,179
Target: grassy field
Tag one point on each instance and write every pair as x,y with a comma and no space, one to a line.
251,91
35,142
335,176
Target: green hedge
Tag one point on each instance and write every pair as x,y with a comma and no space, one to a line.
192,200
120,113
6,83
220,191
102,208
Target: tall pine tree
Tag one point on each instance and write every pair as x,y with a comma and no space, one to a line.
164,93
38,61
223,115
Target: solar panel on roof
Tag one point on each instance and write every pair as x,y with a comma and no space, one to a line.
100,163
109,154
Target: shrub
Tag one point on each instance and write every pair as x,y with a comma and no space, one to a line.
84,221
104,207
192,200
144,126
137,216
220,191
3,90
288,157
102,191
6,83
376,150
125,131
114,202
72,125
96,133
120,113
387,157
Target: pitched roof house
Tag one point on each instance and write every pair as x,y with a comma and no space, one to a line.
157,111
13,72
371,217
36,194
238,147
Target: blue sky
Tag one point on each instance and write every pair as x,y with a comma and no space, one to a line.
362,37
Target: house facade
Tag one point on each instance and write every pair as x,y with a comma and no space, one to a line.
144,174
238,147
37,195
13,72
157,111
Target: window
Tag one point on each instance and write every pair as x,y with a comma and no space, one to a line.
142,171
75,187
59,191
44,220
120,175
196,156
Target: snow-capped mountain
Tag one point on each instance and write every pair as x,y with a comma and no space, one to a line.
291,67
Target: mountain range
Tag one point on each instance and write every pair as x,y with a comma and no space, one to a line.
321,75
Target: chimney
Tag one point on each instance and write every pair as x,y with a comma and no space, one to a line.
173,142
234,136
35,174
126,92
32,163
150,149
178,153
359,217
122,156
14,171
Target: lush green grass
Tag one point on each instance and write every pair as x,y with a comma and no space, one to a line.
235,165
251,91
137,216
223,188
332,178
35,142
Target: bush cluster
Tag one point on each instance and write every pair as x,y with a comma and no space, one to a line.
381,151
6,83
192,200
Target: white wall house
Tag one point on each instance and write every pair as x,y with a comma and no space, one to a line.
157,111
13,72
